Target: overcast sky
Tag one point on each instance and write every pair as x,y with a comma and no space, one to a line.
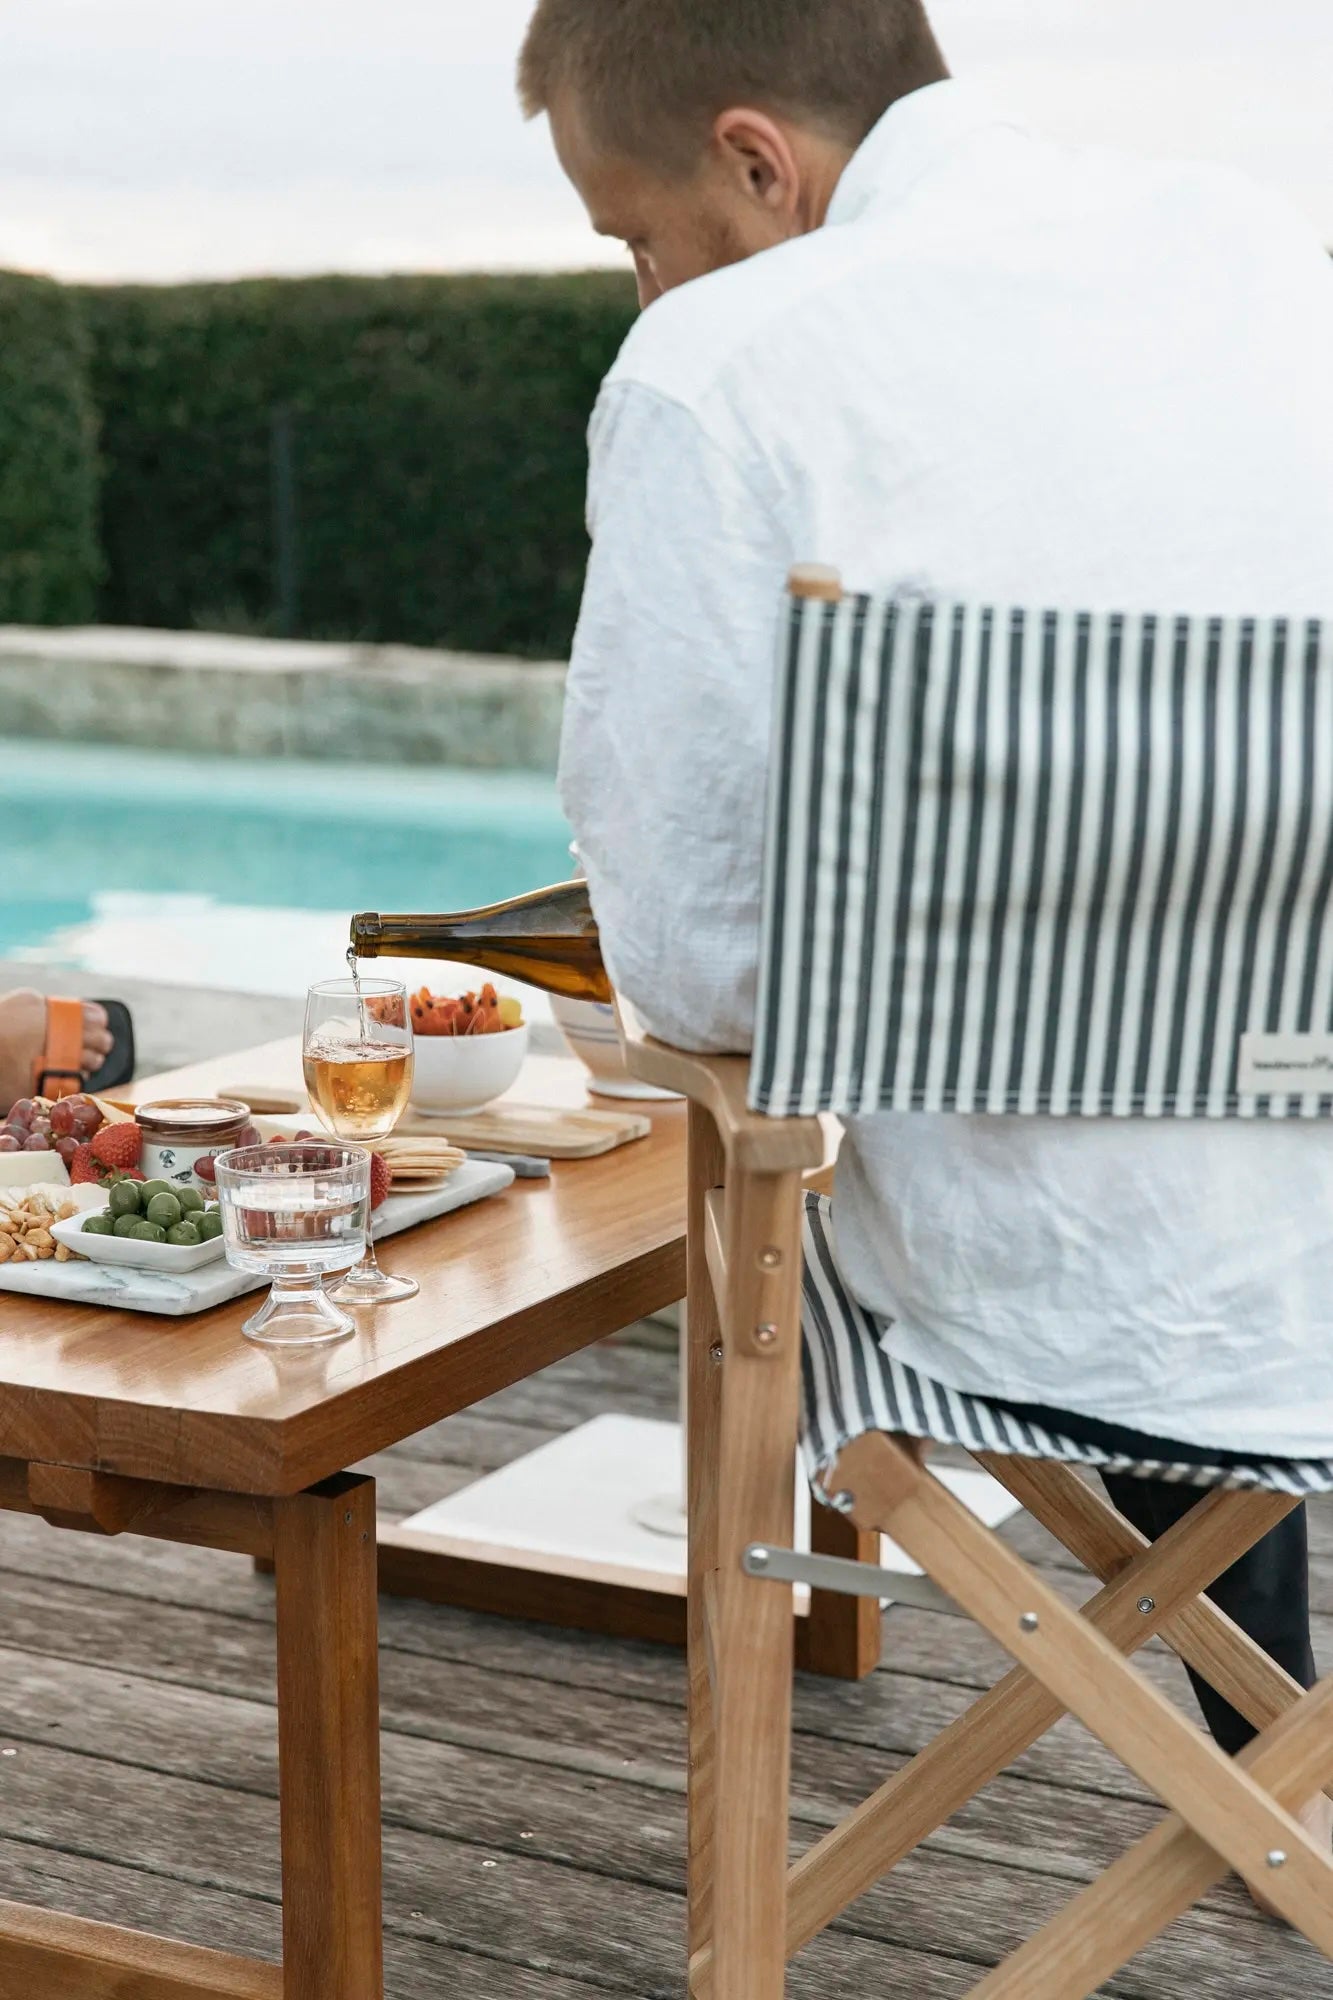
182,138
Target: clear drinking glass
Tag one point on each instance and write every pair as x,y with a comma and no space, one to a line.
295,1213
357,1056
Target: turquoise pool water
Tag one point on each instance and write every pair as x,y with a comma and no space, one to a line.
224,872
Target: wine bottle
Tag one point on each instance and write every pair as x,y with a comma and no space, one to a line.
547,938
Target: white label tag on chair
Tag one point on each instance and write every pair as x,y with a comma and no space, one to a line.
1285,1065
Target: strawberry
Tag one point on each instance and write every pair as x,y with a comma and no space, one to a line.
118,1145
84,1168
381,1175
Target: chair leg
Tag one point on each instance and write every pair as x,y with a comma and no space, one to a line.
754,1639
1005,1721
703,1406
1082,1668
1103,1541
1162,1875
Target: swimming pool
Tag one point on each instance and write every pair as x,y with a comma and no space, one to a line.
231,873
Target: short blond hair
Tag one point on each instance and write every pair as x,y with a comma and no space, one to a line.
649,76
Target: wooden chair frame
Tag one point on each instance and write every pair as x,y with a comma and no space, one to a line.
748,1911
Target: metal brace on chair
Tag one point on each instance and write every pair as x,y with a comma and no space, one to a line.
847,1578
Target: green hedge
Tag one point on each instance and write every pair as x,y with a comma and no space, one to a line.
49,565
392,459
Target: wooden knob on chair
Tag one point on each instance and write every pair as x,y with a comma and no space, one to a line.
816,580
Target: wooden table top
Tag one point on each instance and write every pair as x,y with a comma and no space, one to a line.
507,1286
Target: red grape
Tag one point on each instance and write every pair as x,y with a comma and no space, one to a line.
205,1169
76,1114
21,1112
36,1142
249,1135
9,1144
67,1147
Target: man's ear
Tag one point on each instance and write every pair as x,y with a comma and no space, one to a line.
757,156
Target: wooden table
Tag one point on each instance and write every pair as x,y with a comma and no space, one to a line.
113,1422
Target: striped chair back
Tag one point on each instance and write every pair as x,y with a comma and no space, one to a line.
1047,862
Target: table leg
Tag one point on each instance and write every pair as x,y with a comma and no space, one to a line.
328,1741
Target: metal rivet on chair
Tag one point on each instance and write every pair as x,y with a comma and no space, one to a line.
1276,1858
1147,1604
758,1558
1029,1621
715,1351
770,1258
766,1334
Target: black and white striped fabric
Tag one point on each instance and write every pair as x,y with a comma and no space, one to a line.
851,1386
1050,862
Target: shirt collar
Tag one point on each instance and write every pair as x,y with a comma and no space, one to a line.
913,134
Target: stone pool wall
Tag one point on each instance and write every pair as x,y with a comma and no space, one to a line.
244,697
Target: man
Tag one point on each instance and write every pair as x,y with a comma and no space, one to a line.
891,330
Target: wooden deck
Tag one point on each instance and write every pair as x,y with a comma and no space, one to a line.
533,1779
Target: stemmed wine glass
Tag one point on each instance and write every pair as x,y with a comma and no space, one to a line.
357,1056
295,1214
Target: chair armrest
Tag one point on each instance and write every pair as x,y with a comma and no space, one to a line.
718,1083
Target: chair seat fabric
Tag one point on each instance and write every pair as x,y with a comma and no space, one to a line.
851,1386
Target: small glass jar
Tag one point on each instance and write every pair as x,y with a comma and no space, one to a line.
178,1132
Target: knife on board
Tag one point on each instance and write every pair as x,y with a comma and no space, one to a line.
526,1166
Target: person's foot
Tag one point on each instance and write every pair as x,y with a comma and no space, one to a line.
23,1037
1317,1819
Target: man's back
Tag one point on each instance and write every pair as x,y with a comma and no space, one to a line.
1004,365
1001,369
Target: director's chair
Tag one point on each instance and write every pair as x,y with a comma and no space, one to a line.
1016,863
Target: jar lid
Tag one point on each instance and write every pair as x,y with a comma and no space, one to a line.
173,1114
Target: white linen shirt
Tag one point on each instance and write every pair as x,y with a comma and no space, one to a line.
1010,370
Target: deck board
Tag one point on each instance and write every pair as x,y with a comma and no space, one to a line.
533,1779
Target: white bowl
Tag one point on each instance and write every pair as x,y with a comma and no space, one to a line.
172,1259
455,1075
589,1027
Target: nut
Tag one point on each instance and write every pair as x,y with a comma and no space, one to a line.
25,1228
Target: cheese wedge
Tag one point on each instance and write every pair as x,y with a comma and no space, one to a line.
22,1169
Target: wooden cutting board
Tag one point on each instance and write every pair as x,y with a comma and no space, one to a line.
549,1132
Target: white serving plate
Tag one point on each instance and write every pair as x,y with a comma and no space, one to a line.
134,1289
171,1259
